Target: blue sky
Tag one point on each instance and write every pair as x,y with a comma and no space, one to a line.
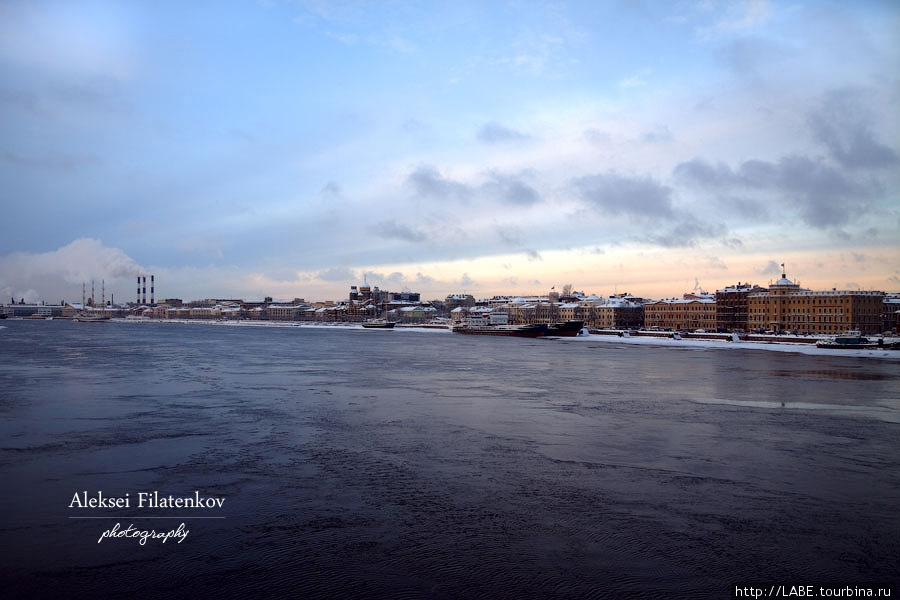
293,148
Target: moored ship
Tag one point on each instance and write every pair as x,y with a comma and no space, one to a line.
488,322
378,324
85,317
536,330
565,329
854,340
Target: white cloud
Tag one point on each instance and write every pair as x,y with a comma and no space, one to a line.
78,262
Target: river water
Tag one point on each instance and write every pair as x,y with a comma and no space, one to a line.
400,464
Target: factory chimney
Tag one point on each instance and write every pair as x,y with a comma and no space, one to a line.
138,301
152,284
144,301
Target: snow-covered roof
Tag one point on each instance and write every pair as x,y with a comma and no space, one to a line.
620,303
683,301
784,281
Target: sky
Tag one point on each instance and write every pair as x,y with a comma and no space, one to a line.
245,149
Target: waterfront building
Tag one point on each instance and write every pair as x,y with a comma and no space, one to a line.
454,300
732,306
690,314
520,312
413,314
356,311
890,312
616,313
206,312
458,314
407,297
571,311
26,310
159,311
284,312
786,307
257,313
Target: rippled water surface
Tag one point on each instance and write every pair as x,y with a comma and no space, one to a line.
397,464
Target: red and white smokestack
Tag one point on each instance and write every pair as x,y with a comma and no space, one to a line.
145,289
152,284
138,301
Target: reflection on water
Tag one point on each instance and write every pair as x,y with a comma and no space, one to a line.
432,465
849,373
883,413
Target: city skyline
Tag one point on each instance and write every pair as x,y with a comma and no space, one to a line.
293,149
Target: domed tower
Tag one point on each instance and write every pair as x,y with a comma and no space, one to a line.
779,294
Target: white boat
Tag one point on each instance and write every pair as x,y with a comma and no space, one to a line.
89,318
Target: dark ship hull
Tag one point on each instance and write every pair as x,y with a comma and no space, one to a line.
504,330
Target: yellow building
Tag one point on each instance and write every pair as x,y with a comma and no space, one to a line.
616,313
693,313
785,306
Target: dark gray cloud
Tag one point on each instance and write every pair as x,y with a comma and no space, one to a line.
822,195
685,233
511,189
700,173
391,230
616,194
494,133
428,182
755,174
533,254
843,126
647,202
